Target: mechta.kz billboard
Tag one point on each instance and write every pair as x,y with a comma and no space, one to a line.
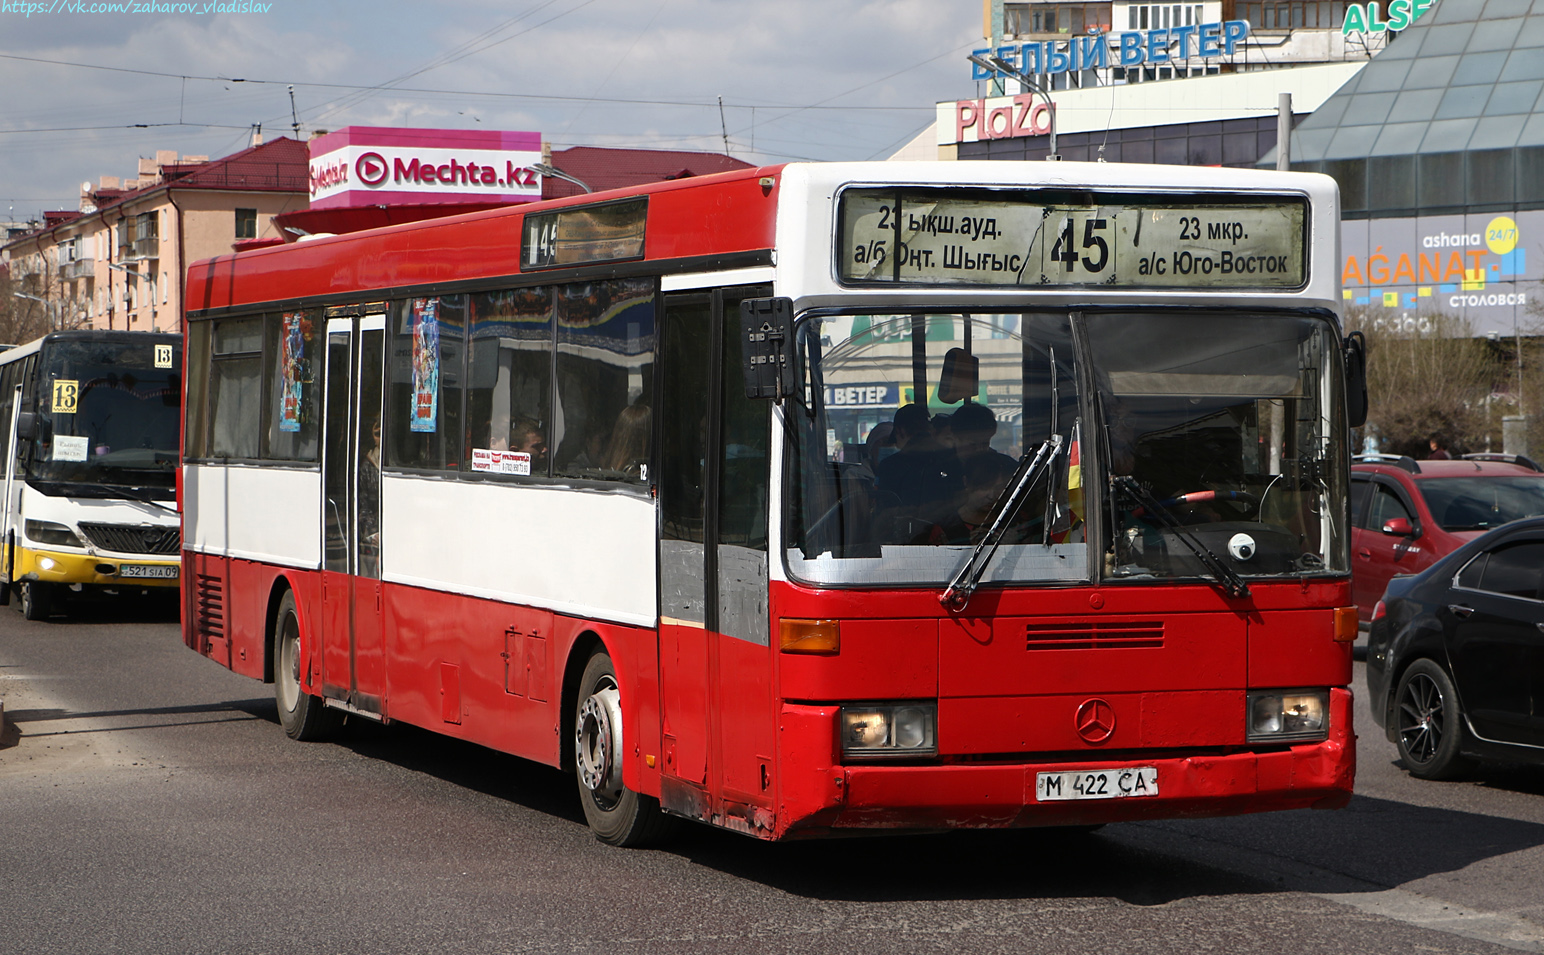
374,165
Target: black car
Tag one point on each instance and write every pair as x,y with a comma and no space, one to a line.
1455,656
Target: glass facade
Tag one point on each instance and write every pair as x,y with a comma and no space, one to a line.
1448,119
1229,142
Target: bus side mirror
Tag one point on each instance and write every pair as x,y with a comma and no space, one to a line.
1355,349
26,426
766,343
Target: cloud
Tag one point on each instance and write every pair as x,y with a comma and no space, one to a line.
802,79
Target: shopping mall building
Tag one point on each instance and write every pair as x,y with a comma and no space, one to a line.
1430,115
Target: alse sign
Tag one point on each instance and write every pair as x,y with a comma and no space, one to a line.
1367,19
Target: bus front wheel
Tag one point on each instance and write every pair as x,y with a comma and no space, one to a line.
36,599
303,716
617,815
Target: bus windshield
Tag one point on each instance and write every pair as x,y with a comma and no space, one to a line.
1202,438
107,412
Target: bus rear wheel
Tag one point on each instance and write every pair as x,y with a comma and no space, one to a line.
617,815
36,599
303,716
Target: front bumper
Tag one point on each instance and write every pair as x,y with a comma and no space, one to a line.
62,567
827,800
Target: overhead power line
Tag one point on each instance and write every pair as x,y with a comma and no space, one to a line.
544,97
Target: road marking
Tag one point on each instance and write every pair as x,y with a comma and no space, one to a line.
1497,928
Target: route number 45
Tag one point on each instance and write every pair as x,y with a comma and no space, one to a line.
1096,252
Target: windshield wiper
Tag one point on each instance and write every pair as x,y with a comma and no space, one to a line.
142,495
1232,584
957,594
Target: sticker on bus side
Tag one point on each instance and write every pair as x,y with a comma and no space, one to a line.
488,461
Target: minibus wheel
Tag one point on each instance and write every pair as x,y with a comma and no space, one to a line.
303,716
617,815
36,598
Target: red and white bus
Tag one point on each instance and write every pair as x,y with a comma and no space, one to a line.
804,499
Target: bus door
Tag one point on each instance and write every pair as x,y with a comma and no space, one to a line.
715,664
353,658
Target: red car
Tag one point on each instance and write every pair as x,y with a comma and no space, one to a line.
1407,514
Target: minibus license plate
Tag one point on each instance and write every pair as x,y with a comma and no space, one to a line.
1097,784
157,571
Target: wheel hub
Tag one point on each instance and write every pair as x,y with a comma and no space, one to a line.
598,743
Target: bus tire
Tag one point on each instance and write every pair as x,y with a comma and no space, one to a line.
303,716
617,815
36,599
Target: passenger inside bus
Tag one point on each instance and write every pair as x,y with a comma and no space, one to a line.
628,450
985,477
973,427
526,435
922,475
370,501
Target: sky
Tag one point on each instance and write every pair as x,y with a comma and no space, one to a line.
799,79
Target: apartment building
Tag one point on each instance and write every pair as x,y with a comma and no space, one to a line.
118,261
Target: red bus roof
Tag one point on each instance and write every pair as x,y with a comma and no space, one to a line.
722,214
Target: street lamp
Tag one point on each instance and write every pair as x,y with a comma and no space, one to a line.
996,64
127,271
556,173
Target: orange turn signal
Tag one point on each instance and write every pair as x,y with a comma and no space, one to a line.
1345,624
809,636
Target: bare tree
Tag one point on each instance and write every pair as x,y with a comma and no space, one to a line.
23,318
1428,375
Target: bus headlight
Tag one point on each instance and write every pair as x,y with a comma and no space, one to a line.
889,730
1280,715
47,532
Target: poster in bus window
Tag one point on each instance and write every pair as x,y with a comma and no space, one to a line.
426,364
291,374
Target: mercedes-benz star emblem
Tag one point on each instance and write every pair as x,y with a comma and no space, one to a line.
1095,720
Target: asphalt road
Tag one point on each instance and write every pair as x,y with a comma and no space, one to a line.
149,802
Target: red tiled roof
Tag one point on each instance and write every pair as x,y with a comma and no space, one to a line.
602,168
281,165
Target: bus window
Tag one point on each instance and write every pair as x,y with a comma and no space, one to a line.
509,383
197,360
293,368
605,380
910,515
1221,424
425,369
235,388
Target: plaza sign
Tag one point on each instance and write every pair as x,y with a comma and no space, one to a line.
365,165
1097,51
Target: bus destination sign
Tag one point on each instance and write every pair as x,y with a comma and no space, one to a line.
930,237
